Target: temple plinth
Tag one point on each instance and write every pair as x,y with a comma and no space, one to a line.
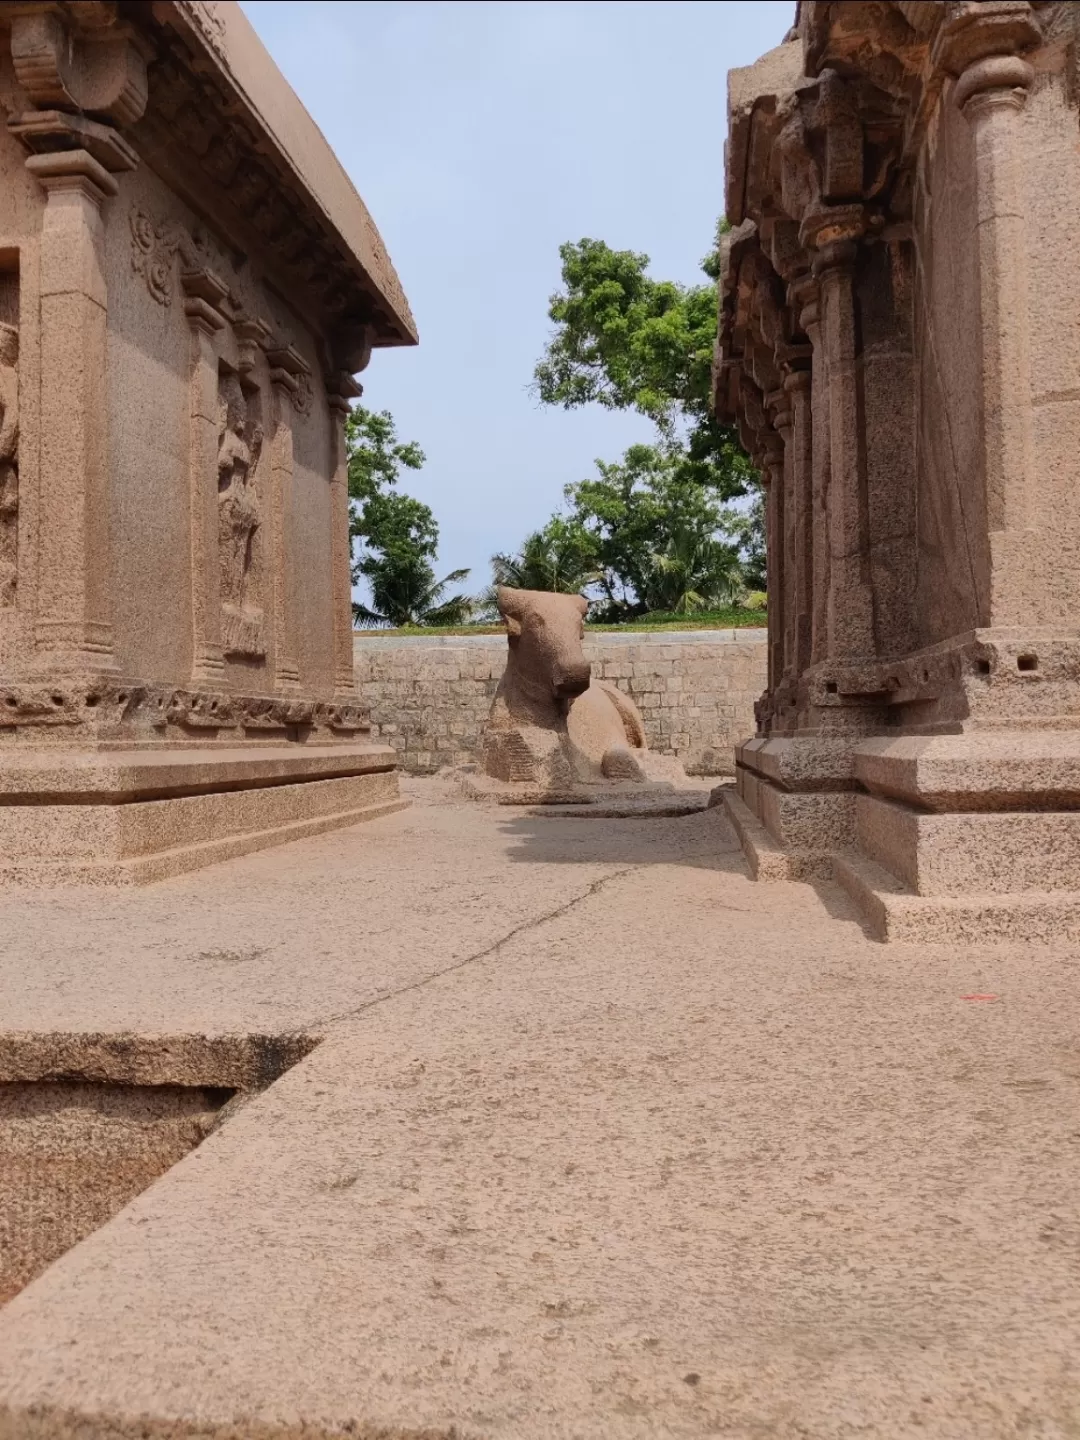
903,182
188,284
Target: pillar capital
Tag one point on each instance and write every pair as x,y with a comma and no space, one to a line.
776,402
836,258
341,391
831,225
997,82
80,58
72,170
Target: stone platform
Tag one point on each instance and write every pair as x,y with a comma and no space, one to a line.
135,816
578,1133
966,837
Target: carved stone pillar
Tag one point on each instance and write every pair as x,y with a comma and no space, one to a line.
286,670
205,321
781,416
73,627
819,428
772,475
850,601
339,393
801,527
991,92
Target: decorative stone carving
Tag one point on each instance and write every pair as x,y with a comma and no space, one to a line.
254,195
146,522
153,252
155,247
209,22
93,66
239,450
303,395
9,462
101,707
902,181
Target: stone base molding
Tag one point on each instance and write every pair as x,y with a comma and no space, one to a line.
132,817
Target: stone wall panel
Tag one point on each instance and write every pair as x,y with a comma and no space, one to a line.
429,698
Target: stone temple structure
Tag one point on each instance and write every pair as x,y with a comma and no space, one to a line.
900,346
188,283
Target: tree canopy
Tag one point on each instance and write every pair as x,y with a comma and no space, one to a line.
628,342
656,528
398,535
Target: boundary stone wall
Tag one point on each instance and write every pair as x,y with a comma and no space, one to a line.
430,695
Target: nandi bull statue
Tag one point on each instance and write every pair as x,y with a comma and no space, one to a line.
554,732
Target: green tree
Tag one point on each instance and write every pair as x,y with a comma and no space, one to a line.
398,535
661,541
628,342
561,557
376,456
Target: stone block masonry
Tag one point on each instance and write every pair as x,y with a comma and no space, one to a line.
430,696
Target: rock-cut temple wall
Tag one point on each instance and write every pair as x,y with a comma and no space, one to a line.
900,348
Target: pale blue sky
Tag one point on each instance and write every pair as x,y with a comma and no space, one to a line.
481,136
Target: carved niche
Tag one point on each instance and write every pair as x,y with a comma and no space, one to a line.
240,442
9,462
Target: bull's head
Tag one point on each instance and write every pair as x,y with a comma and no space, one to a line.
545,633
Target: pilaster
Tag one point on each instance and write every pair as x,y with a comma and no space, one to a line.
850,611
284,385
340,392
73,629
797,384
780,414
991,93
205,321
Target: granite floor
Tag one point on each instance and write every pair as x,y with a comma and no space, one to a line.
597,1138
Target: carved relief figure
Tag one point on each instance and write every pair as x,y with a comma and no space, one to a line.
239,448
9,462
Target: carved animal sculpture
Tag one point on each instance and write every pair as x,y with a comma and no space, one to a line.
550,722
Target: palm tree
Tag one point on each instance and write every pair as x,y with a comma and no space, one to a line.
558,558
692,572
404,592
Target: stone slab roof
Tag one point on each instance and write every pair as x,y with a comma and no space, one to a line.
228,53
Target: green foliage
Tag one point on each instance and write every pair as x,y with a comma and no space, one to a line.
628,342
661,533
560,557
404,591
657,538
751,529
727,617
376,457
399,536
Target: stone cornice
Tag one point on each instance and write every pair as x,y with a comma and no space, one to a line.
188,89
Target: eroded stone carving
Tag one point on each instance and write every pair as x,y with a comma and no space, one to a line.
922,592
239,449
9,462
102,707
81,59
303,395
153,250
155,247
551,725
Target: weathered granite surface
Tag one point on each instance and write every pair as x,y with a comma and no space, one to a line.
598,1140
899,346
188,283
429,696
